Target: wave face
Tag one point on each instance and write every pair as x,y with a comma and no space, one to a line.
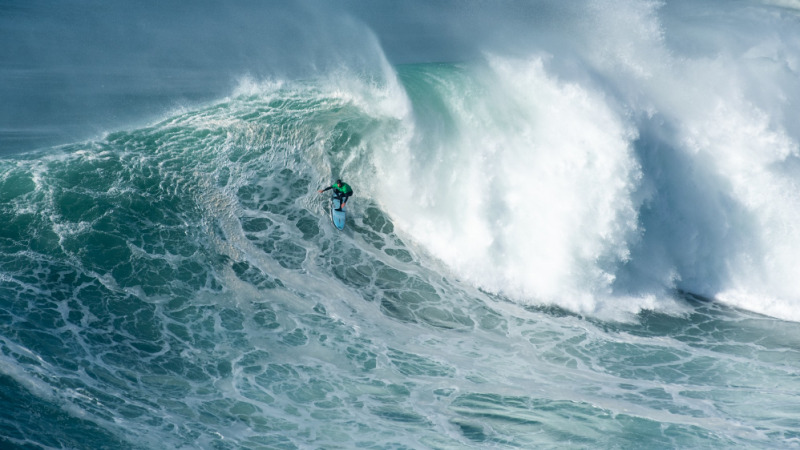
588,241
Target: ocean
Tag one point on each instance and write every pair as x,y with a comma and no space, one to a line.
574,225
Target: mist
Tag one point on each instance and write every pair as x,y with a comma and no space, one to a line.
74,70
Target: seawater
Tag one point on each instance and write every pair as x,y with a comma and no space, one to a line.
588,244
181,285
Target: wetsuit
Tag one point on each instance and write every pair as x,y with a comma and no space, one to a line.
342,192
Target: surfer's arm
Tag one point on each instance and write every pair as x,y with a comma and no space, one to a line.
323,190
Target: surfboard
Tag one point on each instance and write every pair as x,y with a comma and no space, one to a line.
337,217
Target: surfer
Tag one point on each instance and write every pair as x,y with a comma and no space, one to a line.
342,191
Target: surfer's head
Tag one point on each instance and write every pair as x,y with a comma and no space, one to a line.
338,182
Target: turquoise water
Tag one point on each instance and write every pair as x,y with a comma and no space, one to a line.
581,234
180,286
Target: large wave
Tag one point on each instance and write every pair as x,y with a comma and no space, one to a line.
179,284
547,190
607,179
598,155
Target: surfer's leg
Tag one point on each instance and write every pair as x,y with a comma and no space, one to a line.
338,196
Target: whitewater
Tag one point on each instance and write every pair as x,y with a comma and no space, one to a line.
575,226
